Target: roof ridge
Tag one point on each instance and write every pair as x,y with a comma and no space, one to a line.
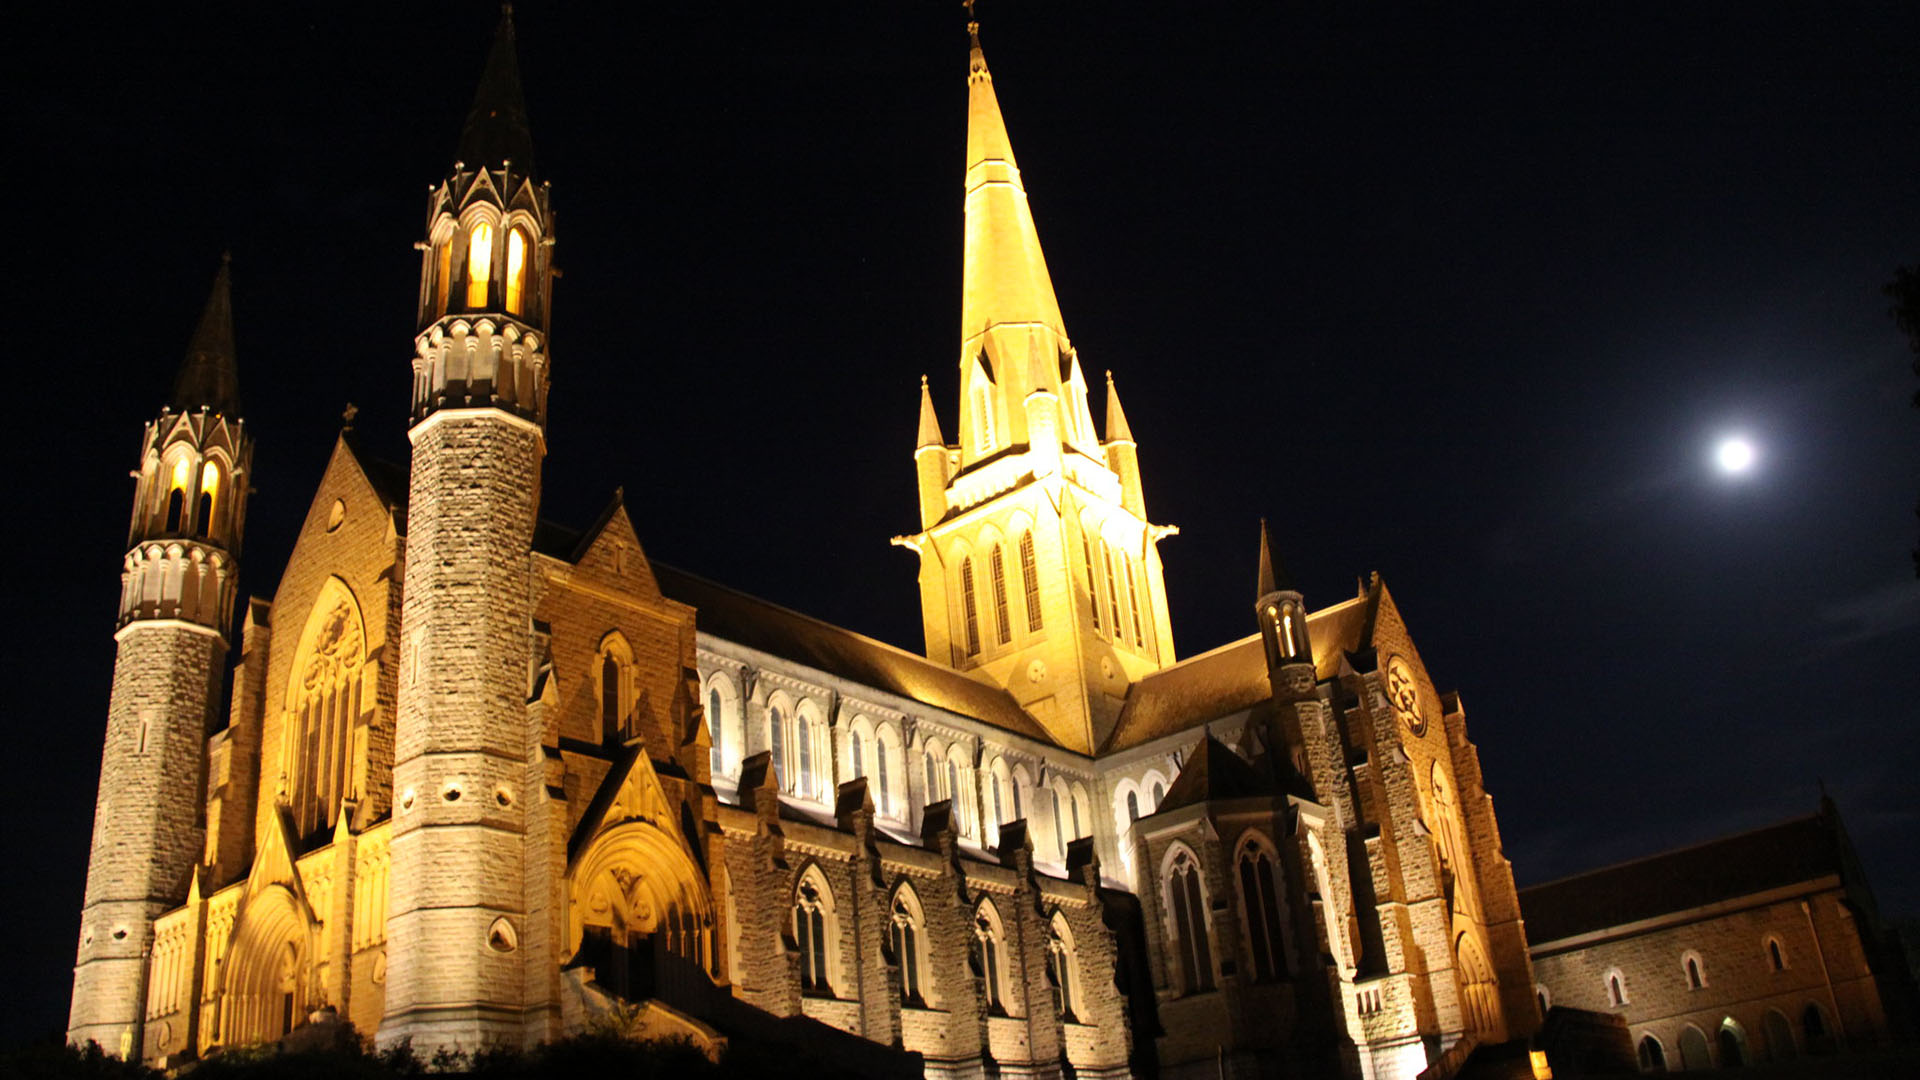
1240,641
1681,850
818,621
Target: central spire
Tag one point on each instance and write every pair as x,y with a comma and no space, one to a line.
497,130
1004,279
208,378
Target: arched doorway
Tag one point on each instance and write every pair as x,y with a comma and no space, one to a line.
640,914
267,982
1479,991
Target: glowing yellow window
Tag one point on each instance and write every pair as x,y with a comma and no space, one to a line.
516,269
209,491
479,264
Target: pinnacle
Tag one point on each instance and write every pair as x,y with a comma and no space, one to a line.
1273,574
1117,429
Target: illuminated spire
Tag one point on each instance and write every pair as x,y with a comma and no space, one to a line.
209,376
496,130
1117,429
1004,277
929,423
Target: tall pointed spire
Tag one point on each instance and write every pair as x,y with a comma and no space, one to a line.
1273,574
1004,277
1117,429
929,422
496,130
209,376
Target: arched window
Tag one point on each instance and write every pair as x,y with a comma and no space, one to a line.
1260,908
1113,587
322,741
716,730
609,697
516,269
1542,998
1733,1044
1159,793
1062,966
992,957
1133,807
1093,588
777,744
1693,1049
1133,602
907,938
1184,898
1616,988
934,773
1776,956
1696,973
1813,1026
1653,1057
857,752
969,606
1002,628
803,734
177,494
983,417
209,493
479,264
1030,578
886,749
1779,1036
726,726
815,931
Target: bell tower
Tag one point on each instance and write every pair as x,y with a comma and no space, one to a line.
177,588
480,376
1039,571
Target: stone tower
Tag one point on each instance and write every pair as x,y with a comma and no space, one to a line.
1039,571
457,901
176,608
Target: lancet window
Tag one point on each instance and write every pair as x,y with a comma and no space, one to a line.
970,606
906,936
1002,627
320,733
815,931
1031,580
1260,907
479,264
1062,966
1185,900
516,270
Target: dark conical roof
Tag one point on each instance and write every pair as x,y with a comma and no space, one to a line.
209,378
496,129
1273,574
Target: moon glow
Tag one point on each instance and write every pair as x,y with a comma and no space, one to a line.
1734,455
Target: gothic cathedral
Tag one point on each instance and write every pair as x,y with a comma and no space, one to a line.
475,778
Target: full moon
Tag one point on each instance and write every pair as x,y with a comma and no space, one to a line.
1734,455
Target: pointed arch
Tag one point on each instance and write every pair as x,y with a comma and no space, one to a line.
814,920
1263,907
907,940
725,727
614,686
889,768
479,263
1479,989
519,261
1063,966
990,953
635,897
1184,897
267,977
329,686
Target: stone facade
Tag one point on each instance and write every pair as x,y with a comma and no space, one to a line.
1761,947
487,780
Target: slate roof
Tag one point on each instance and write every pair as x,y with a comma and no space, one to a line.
770,628
1228,679
1213,772
1789,853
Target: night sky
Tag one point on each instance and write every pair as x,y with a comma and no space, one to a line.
1462,296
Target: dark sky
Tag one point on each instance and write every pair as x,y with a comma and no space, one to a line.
1462,296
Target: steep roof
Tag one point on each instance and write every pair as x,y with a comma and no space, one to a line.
1213,772
209,376
1789,853
1228,679
496,130
770,628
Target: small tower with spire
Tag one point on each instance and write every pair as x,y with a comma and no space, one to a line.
1039,571
177,590
1281,612
461,740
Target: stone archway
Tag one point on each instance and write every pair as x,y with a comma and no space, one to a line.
640,914
268,979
